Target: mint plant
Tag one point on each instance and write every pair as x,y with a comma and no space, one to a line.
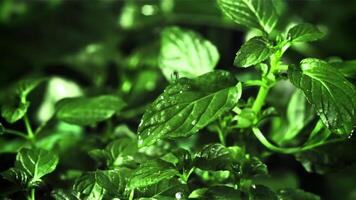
206,134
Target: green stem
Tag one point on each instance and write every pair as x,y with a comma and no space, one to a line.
260,99
221,137
30,134
17,133
31,195
132,194
185,176
290,150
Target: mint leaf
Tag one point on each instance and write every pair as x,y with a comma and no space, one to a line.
24,87
298,115
180,158
88,187
88,110
330,157
254,51
169,188
331,94
36,163
151,172
13,113
304,33
216,157
100,184
347,68
261,192
296,194
186,53
16,175
217,193
251,13
59,194
188,105
118,153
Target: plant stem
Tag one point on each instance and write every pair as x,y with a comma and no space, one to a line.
185,176
17,133
290,150
31,195
221,136
132,194
30,134
260,99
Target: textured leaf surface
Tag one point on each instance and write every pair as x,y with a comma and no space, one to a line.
216,157
86,111
296,194
331,94
253,52
261,192
304,33
36,162
151,172
298,115
188,105
186,53
13,113
95,185
118,153
251,13
15,175
347,68
24,87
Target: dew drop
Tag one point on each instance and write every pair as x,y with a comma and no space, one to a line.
194,122
350,136
178,195
253,186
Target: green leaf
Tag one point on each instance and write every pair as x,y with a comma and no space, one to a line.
246,118
24,87
261,192
331,94
118,153
17,105
252,166
165,188
13,113
216,157
180,158
304,33
251,13
217,193
347,68
88,187
16,175
36,163
296,194
59,194
188,105
298,115
90,110
254,51
96,185
151,172
329,157
186,53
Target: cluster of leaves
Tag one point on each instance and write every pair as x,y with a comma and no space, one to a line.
163,159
